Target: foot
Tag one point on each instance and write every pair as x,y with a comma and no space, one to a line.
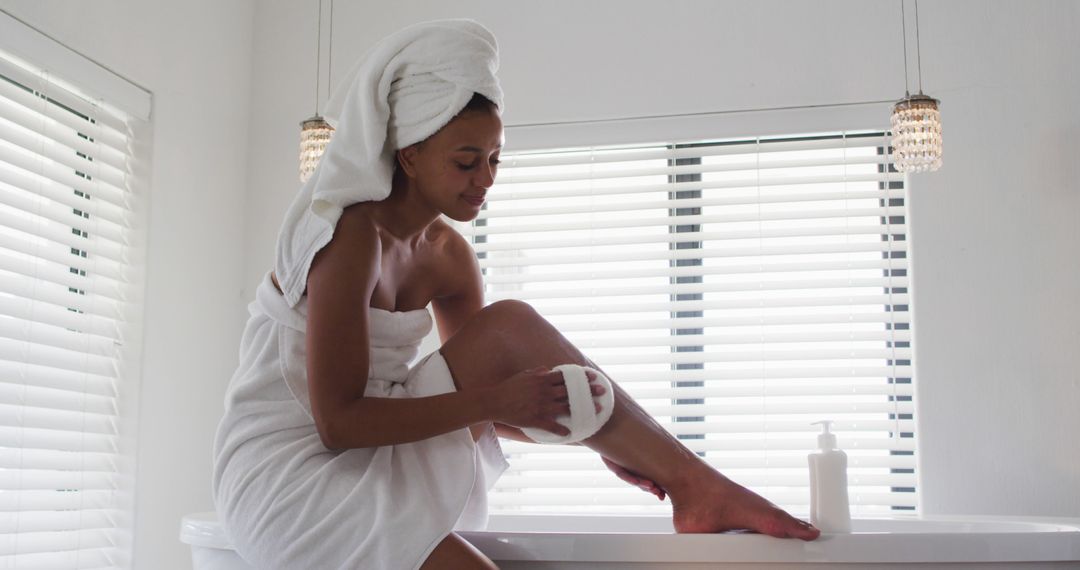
717,504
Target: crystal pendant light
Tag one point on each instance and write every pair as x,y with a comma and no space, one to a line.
314,136
916,120
315,132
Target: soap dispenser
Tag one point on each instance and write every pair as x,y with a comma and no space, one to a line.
829,510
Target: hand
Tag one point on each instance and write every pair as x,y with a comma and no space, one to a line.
647,485
534,398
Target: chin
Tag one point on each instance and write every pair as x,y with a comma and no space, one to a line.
462,216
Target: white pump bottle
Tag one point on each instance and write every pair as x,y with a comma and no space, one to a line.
829,510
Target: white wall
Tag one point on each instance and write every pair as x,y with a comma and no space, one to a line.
997,318
194,56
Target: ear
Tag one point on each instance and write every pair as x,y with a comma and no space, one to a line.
406,157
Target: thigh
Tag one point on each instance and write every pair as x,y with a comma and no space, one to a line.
455,553
494,344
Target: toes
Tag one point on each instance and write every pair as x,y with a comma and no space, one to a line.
806,531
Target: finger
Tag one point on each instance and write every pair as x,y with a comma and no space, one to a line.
590,375
555,377
596,405
597,390
558,429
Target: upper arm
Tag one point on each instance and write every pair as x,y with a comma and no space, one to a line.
464,295
339,287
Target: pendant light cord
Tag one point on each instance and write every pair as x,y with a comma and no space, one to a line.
330,50
318,59
918,48
903,26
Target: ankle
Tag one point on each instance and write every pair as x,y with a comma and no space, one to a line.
689,480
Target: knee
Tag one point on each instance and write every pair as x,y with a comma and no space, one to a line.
511,311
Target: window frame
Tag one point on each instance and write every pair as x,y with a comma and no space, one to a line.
725,126
115,95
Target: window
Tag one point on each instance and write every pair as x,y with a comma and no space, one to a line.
738,289
70,276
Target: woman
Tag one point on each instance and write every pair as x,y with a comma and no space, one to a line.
374,468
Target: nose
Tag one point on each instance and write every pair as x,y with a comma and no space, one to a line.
485,176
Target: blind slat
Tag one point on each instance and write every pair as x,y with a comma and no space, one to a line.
34,438
44,377
851,301
602,321
630,239
672,202
602,156
43,291
22,138
692,219
20,172
774,372
31,521
43,480
571,498
693,253
606,480
11,458
82,559
641,169
582,288
37,269
540,463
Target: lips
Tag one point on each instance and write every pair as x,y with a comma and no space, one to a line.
475,200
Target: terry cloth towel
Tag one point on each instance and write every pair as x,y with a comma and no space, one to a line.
584,420
407,87
287,502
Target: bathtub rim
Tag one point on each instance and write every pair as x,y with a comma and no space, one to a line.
1052,539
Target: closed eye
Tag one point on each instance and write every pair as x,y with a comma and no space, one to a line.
494,162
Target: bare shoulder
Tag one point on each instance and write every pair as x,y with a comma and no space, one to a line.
356,222
454,260
449,243
352,256
460,294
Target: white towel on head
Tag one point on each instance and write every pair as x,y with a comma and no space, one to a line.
403,90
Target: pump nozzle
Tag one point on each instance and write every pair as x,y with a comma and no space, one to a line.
826,439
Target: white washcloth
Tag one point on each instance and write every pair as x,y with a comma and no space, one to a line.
403,90
584,421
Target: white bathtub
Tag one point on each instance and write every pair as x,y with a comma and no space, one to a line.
535,542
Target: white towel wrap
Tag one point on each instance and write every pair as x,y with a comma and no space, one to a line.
584,420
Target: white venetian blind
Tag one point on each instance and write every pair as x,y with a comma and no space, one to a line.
69,281
738,290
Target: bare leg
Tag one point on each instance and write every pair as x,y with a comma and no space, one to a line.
510,336
455,553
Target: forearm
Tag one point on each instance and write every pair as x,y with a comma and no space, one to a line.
510,432
374,422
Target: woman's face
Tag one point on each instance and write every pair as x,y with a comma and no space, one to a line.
454,168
